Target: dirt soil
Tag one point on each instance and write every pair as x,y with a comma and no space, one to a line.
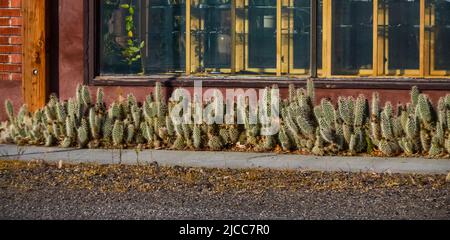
38,190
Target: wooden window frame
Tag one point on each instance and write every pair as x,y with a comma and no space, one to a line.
429,34
325,79
286,42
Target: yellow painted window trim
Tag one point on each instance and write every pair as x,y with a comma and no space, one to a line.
284,48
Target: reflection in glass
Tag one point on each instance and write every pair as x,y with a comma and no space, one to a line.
113,38
166,36
160,24
211,33
297,18
302,36
352,36
403,33
441,9
262,39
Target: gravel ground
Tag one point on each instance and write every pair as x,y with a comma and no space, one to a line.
44,191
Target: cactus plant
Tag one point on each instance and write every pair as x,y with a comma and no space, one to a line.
284,140
215,143
197,136
9,110
83,134
118,133
415,127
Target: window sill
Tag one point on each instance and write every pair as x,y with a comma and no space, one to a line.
400,83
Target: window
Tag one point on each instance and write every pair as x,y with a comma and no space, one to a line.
377,38
401,30
164,35
438,27
296,36
352,24
160,25
211,36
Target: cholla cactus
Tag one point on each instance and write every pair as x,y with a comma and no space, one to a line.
180,143
386,122
79,94
425,140
414,96
66,143
435,149
83,134
224,134
292,93
389,145
187,134
197,136
131,131
346,110
118,133
318,148
100,97
360,112
447,145
158,92
131,101
115,111
107,130
305,122
415,127
409,143
94,123
9,110
310,89
72,109
60,112
388,148
284,140
234,134
442,119
215,143
136,115
159,124
86,96
425,111
49,139
147,132
170,126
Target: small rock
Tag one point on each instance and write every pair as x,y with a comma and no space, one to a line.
60,164
447,179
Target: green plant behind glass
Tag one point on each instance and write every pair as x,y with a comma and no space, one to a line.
110,48
132,52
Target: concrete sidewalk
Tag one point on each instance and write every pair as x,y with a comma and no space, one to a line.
234,160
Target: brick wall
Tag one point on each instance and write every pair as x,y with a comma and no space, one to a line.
10,40
10,53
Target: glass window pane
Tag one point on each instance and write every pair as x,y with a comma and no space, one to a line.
441,34
158,24
298,40
166,29
262,39
403,33
301,33
113,38
211,35
352,36
319,34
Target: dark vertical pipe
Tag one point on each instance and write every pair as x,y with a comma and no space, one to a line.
52,18
313,39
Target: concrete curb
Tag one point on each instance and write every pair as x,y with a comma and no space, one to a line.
233,160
